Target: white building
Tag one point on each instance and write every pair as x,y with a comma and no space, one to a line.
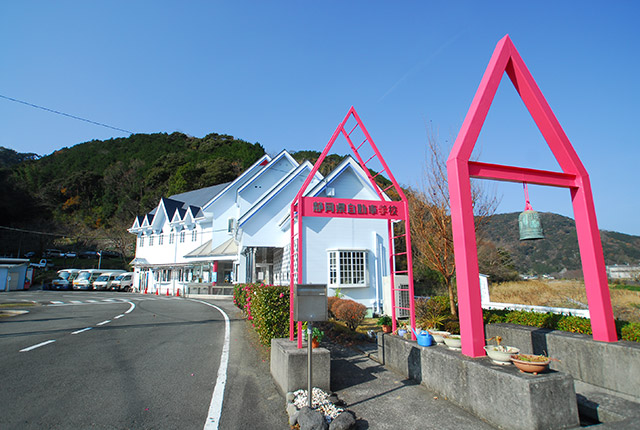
206,240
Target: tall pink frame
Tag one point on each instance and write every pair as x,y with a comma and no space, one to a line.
302,206
574,176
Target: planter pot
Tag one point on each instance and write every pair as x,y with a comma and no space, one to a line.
438,336
386,329
314,343
453,342
501,354
530,363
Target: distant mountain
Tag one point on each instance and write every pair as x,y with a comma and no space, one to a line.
559,249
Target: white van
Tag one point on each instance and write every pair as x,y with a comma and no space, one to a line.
124,282
85,278
103,282
65,278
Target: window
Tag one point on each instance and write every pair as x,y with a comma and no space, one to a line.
150,240
194,235
182,234
160,239
141,243
348,268
171,238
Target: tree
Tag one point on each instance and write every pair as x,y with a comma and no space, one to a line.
431,216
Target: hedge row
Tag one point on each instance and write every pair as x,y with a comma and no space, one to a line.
626,331
266,307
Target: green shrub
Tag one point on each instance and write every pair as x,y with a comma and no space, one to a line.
432,312
574,324
533,319
452,326
269,311
352,313
631,332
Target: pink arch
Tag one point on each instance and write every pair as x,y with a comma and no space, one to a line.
574,176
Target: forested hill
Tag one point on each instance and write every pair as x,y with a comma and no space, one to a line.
104,184
559,249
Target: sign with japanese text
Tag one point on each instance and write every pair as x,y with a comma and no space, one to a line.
348,208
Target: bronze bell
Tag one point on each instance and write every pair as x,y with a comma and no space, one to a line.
529,221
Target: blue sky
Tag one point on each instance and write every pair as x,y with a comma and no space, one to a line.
284,74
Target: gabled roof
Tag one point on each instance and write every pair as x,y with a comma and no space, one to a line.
347,163
282,155
246,174
277,188
198,198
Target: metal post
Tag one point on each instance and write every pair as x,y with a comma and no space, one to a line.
309,365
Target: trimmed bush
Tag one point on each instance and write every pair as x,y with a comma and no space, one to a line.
352,313
332,302
269,311
574,324
631,332
533,319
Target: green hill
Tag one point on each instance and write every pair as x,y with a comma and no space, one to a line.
559,249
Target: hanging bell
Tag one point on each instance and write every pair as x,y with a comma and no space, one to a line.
529,221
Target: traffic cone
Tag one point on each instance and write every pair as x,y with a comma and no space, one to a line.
145,290
157,292
178,292
167,292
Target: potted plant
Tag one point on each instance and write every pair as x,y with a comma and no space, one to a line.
432,321
498,353
316,337
402,330
531,363
453,341
385,322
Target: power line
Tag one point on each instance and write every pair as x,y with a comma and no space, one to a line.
32,231
65,114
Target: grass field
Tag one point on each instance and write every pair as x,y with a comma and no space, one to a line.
625,300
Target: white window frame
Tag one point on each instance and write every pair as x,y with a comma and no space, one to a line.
171,238
346,266
141,242
194,235
182,235
151,240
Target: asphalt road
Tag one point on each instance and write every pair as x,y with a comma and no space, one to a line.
125,361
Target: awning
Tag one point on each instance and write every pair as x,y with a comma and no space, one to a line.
139,262
228,248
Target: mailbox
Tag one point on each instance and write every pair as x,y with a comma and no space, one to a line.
310,302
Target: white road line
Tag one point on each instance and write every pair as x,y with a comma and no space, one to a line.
119,316
76,301
92,301
37,346
104,322
133,306
55,302
83,330
215,409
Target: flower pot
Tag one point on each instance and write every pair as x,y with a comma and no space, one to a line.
530,363
314,343
453,342
438,336
386,329
501,354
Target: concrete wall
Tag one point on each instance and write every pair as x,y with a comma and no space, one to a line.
289,366
498,394
613,366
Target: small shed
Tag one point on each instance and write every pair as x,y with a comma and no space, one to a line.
12,273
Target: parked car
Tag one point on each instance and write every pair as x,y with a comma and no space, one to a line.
85,279
124,282
70,254
89,254
49,253
29,254
65,278
103,282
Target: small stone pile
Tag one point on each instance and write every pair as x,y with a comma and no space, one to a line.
323,415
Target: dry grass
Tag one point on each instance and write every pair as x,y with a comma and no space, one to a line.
564,293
